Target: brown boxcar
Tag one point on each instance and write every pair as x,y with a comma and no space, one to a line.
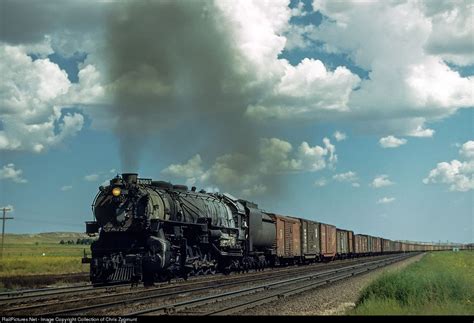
370,244
287,240
397,246
378,245
328,240
344,242
386,246
360,244
310,239
375,245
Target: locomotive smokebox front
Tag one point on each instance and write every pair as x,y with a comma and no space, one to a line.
130,178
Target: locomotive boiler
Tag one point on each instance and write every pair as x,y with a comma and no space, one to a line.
153,231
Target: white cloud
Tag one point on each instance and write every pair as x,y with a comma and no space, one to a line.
34,95
386,200
381,181
420,86
459,175
298,10
239,171
339,136
467,149
66,188
9,206
9,172
192,168
346,177
255,190
391,142
30,92
422,132
452,30
91,177
320,182
307,90
355,185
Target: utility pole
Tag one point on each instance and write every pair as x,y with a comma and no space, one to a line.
5,210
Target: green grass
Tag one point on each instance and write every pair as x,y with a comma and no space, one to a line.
442,283
33,254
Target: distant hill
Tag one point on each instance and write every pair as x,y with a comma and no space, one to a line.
45,237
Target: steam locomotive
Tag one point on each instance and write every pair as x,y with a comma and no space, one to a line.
153,231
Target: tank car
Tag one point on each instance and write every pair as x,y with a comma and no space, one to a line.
152,231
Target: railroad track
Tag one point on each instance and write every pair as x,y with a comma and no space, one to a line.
110,298
24,295
238,300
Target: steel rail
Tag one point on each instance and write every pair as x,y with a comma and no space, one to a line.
33,293
172,308
297,290
163,292
194,281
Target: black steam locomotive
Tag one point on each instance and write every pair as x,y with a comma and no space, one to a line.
153,231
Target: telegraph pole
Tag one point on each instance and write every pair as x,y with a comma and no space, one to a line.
4,217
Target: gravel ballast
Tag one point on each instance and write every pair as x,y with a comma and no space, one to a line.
333,299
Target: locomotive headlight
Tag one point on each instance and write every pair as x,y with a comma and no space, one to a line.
116,191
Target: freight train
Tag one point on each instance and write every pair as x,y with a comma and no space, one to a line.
151,231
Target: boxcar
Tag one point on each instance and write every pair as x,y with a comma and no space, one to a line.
378,245
328,241
287,240
387,246
344,243
374,245
310,240
360,245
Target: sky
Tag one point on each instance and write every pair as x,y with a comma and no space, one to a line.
354,113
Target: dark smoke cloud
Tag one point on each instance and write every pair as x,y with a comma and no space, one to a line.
174,65
24,21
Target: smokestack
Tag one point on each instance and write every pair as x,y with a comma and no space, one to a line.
130,178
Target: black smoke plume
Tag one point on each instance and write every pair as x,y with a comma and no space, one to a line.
176,70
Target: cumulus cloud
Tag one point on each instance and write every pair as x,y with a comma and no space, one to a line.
349,176
320,182
35,95
66,188
459,175
255,190
386,200
391,142
240,172
452,29
339,136
192,168
421,132
308,89
467,150
9,172
91,177
415,76
243,79
381,181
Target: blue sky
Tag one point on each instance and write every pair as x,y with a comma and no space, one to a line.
301,77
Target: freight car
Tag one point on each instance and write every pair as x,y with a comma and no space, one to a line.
153,231
344,243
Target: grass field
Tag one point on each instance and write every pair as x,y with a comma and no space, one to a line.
442,283
34,254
